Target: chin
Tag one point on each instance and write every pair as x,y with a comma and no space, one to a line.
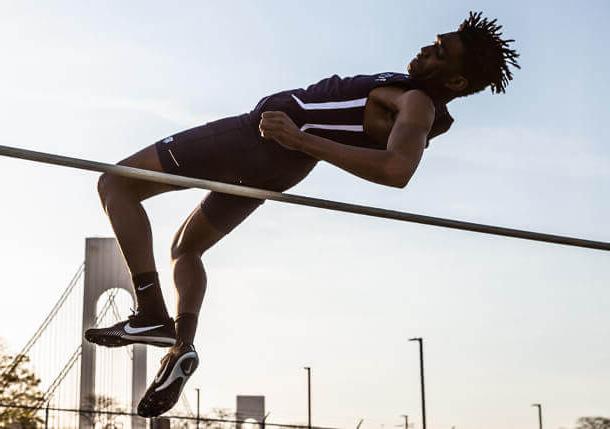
414,68
412,71
411,67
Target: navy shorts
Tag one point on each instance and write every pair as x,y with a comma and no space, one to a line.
231,150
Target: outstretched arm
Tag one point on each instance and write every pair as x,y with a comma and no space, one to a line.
392,167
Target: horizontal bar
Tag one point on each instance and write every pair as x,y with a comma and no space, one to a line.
189,182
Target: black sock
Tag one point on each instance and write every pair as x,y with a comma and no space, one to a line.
186,325
148,295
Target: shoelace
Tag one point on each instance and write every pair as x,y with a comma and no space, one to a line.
134,314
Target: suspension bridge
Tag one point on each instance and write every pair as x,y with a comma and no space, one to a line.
75,375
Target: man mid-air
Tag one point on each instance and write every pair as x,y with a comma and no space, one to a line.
375,127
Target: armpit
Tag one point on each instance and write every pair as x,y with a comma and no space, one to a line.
442,123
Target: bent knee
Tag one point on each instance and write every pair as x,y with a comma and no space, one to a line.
195,236
181,248
104,186
111,186
193,243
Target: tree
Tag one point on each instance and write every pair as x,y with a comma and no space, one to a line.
593,423
218,414
100,404
19,387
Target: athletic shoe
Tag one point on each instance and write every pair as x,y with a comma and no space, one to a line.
176,368
137,329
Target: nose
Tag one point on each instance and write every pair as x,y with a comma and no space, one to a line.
426,50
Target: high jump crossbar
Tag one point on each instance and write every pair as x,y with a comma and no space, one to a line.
262,194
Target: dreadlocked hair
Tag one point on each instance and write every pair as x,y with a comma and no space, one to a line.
487,57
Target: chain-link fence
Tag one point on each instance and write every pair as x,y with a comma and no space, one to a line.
15,416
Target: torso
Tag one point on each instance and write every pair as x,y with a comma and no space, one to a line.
357,111
380,112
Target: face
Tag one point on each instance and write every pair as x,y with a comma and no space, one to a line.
440,61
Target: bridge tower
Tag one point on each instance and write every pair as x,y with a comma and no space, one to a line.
105,269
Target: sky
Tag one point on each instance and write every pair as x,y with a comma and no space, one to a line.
506,322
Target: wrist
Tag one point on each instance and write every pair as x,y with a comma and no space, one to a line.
300,140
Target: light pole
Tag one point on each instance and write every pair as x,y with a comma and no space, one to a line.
46,416
197,407
539,406
265,420
308,369
421,376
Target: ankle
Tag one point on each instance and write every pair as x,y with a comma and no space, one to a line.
186,327
149,296
152,316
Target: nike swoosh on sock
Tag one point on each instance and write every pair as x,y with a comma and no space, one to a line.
141,288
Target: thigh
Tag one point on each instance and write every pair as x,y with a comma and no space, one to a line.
146,159
226,150
224,211
219,213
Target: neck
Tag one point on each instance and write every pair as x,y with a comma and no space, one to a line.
435,89
445,99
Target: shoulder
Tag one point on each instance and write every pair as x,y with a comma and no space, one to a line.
416,107
416,98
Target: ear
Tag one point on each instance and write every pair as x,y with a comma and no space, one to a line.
457,83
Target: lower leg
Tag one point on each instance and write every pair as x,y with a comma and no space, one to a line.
134,236
132,230
121,199
190,281
195,236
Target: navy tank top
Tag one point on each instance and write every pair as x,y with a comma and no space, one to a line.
334,107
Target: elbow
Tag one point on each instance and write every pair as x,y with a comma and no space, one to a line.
399,181
397,177
398,171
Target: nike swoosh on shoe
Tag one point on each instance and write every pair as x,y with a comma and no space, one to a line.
177,372
133,330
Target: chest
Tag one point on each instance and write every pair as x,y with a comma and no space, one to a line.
380,113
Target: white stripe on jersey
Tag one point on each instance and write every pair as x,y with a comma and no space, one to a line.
328,105
353,128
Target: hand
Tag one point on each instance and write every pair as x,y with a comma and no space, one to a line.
279,127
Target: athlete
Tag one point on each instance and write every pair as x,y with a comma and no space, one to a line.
375,127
